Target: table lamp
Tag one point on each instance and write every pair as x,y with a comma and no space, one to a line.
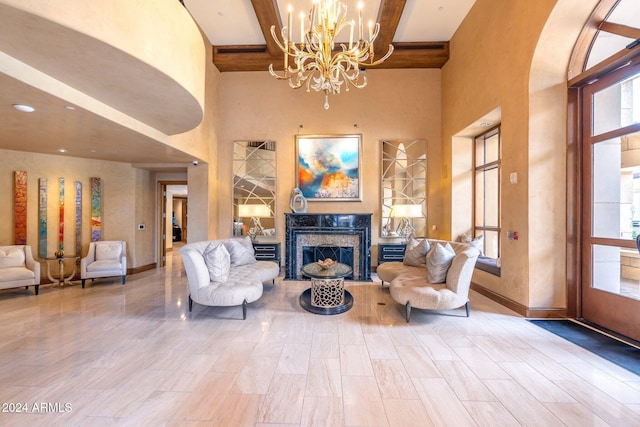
255,212
405,212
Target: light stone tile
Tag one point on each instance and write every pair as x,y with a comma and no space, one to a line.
354,360
437,348
283,402
575,414
322,411
442,405
94,348
294,359
522,405
539,386
417,362
255,376
406,413
325,345
600,403
393,380
490,414
324,378
462,380
362,402
380,346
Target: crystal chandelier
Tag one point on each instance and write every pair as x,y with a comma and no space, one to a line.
314,63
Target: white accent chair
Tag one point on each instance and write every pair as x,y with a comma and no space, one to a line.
18,268
105,259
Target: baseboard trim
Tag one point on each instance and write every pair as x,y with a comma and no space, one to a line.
529,312
141,268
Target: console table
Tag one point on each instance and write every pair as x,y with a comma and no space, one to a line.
390,252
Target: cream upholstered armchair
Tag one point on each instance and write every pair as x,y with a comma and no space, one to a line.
18,268
105,259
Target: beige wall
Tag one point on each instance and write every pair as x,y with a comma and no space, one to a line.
121,208
495,56
396,104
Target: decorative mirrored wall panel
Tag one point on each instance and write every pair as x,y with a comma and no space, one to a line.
404,188
254,188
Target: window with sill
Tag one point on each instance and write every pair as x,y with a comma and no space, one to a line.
486,188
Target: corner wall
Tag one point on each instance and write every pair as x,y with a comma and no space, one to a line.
512,58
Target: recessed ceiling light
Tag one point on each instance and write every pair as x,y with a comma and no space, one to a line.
24,108
69,107
62,150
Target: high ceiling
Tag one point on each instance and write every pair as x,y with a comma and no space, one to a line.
240,29
78,68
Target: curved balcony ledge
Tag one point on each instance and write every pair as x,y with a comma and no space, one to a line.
145,59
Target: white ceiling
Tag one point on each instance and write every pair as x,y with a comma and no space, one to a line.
233,22
50,55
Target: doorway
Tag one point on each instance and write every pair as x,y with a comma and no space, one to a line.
173,217
610,218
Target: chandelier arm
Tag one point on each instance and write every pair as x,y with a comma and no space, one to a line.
315,63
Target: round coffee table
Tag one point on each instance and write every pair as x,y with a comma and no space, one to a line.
327,294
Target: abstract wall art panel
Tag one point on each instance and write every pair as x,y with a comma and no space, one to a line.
20,207
42,218
96,209
78,218
61,217
328,167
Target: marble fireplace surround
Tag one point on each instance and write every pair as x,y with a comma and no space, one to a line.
345,230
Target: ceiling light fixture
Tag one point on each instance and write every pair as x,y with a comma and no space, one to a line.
313,62
24,108
62,150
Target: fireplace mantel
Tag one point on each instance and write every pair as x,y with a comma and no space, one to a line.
353,230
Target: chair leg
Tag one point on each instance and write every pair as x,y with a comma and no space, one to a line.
190,303
124,279
408,311
83,282
244,309
466,307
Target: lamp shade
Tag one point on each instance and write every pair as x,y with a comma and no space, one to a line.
407,211
258,211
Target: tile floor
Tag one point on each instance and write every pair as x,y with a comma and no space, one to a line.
111,355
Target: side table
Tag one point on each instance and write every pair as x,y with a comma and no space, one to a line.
61,280
327,294
267,251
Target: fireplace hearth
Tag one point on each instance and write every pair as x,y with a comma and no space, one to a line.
349,234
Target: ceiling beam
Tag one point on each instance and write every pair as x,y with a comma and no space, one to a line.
268,15
259,57
256,57
389,16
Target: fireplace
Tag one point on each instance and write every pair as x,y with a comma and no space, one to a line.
313,236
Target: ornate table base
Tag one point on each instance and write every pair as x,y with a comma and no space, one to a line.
305,302
61,280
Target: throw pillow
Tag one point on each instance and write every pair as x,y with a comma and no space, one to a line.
477,243
439,260
217,260
108,251
240,254
13,257
416,252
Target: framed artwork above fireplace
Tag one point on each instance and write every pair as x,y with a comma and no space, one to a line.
328,167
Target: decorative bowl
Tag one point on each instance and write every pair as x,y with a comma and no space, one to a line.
327,263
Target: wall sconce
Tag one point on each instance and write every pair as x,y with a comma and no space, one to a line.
405,212
255,212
